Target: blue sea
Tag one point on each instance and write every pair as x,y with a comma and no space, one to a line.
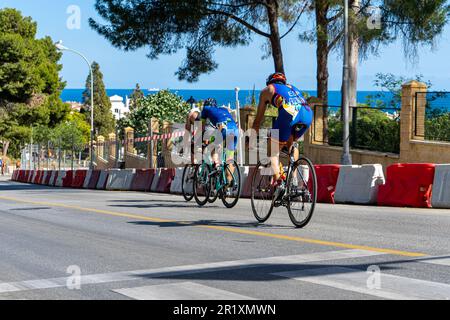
223,97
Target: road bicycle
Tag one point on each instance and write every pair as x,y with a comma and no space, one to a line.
187,182
222,181
298,192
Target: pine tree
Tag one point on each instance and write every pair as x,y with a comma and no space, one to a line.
136,97
104,122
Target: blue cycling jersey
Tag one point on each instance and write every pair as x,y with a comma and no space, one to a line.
218,115
292,110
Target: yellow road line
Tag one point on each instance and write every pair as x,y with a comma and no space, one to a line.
226,229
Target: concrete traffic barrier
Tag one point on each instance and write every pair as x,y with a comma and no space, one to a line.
247,187
14,175
143,180
441,187
43,177
59,178
359,184
176,186
165,180
31,176
87,179
53,178
155,181
407,185
120,180
102,180
327,178
78,179
93,179
46,179
67,180
245,171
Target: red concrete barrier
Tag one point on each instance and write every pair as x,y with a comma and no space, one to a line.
38,176
165,180
78,179
46,181
327,176
407,185
14,175
30,176
143,180
67,180
52,182
95,175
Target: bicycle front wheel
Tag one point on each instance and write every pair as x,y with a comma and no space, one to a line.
262,192
202,184
301,192
232,190
187,183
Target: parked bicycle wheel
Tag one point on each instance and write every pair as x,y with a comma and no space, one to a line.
187,183
262,191
301,192
231,192
202,184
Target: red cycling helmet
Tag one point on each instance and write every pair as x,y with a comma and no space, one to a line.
276,77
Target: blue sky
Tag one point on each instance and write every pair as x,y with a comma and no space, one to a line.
240,67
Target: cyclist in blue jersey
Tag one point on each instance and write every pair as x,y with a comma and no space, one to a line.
294,115
220,119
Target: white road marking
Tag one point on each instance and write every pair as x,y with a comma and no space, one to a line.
180,291
187,269
391,286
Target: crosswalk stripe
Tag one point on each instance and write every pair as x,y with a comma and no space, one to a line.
187,269
180,291
390,286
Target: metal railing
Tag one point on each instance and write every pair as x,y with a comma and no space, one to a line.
371,128
432,116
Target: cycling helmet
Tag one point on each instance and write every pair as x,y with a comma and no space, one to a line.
211,102
276,77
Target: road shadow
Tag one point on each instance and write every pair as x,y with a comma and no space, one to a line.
265,271
20,187
217,223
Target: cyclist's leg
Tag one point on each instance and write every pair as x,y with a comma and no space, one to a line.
231,146
280,136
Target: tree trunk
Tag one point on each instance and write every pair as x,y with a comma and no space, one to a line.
275,41
321,9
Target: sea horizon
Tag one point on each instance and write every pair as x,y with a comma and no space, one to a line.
223,96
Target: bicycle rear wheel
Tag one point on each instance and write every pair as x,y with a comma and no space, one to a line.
262,191
230,193
187,183
202,184
301,192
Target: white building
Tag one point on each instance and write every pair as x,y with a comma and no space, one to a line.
118,107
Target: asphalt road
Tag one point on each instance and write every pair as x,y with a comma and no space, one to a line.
127,245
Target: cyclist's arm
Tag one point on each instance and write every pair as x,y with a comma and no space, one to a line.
264,99
191,118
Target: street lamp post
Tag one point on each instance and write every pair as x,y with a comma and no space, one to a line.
346,156
61,47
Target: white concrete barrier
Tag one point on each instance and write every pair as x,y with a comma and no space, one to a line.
102,180
359,184
155,180
441,187
51,182
120,180
245,171
59,179
31,176
44,177
88,178
176,185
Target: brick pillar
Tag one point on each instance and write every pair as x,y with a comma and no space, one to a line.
408,118
129,140
112,145
101,147
154,123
